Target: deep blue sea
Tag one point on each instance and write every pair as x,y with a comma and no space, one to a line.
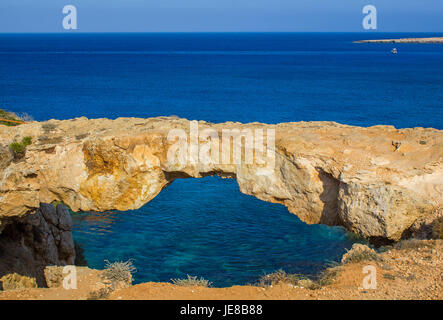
206,227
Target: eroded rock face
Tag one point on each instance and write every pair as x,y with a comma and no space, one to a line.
30,243
374,181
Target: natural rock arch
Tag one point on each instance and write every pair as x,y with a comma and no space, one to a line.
324,172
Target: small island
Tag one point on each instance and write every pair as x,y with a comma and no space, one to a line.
404,40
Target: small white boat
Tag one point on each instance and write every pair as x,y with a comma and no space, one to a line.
394,51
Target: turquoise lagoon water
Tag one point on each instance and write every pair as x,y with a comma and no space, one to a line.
206,227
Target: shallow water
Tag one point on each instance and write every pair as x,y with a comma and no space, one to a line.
206,227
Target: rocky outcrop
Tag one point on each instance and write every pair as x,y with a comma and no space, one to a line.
41,238
374,181
14,281
404,40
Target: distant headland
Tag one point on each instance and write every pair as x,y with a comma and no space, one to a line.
404,40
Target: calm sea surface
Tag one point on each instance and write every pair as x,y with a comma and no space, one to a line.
206,227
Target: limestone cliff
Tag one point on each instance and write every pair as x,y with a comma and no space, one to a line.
375,181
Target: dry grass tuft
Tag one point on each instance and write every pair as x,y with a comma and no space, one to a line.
413,244
10,117
101,294
25,117
327,277
359,253
192,281
280,277
48,127
119,271
14,281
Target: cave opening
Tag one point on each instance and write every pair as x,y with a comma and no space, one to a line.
207,228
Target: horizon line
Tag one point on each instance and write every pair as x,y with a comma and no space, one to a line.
128,32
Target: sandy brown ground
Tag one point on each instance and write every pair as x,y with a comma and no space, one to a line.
411,273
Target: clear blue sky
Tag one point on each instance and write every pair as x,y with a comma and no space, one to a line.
220,15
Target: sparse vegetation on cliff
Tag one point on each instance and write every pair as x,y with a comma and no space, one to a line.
119,271
413,244
359,253
326,277
11,119
19,148
48,127
192,281
116,275
8,118
25,117
279,277
411,270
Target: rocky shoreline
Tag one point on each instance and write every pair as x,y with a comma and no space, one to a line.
382,183
409,270
377,182
432,40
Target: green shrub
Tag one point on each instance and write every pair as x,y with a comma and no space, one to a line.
191,281
26,141
19,148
